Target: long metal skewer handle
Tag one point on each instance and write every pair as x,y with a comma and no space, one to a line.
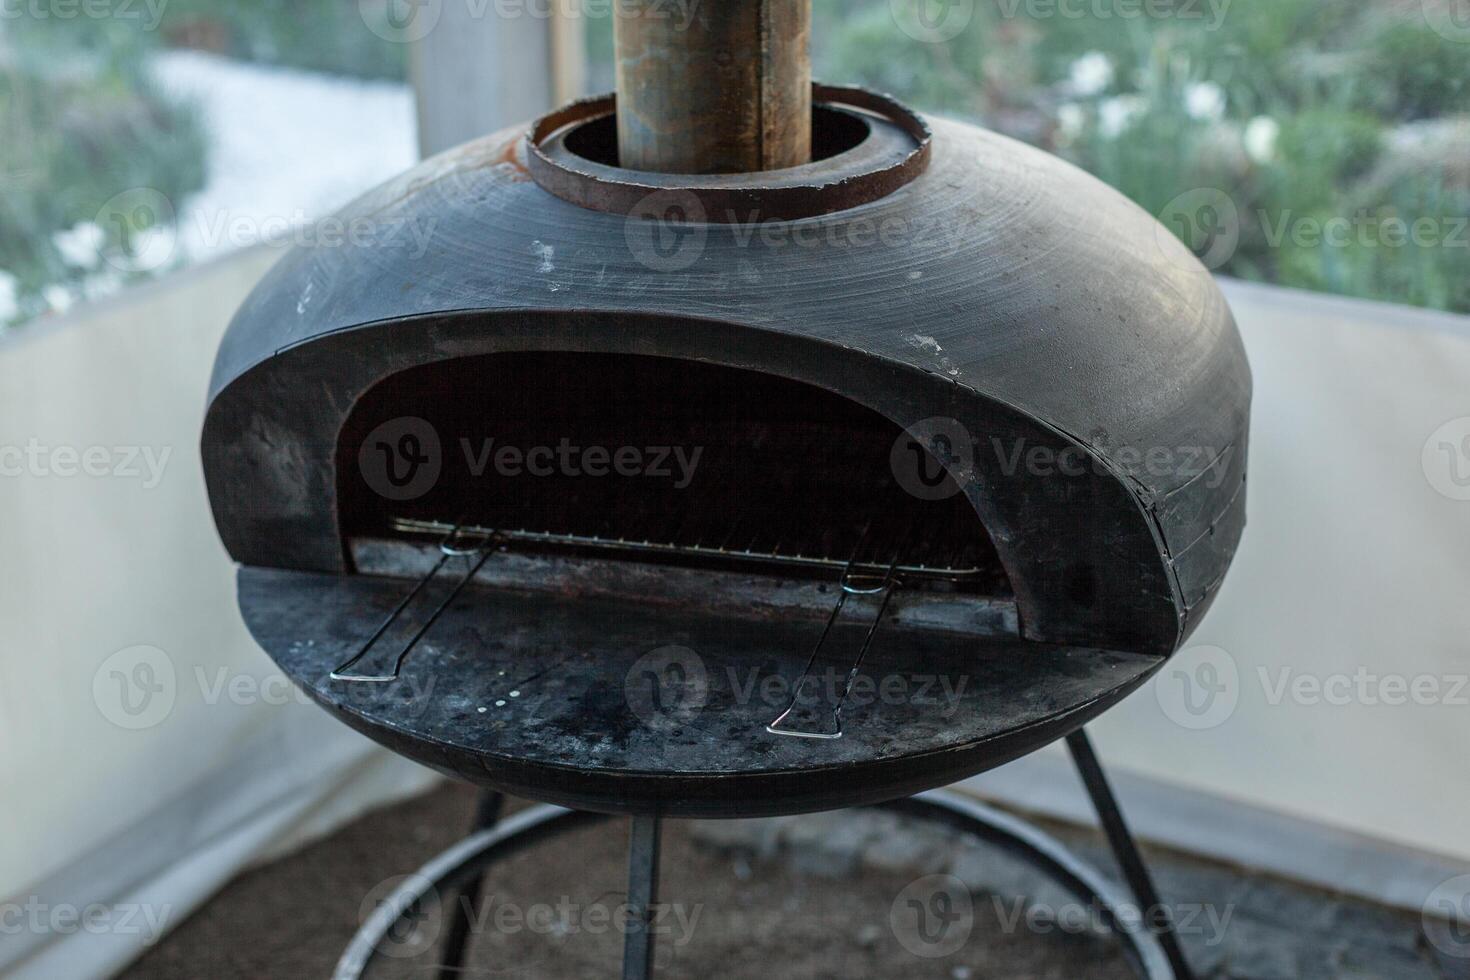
474,548
877,582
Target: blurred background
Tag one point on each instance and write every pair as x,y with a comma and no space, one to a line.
1301,111
157,156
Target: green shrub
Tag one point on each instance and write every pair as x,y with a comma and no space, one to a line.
1331,80
319,35
80,122
1420,74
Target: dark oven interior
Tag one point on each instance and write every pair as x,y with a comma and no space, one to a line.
657,461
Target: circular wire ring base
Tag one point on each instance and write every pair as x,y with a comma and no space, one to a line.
1010,834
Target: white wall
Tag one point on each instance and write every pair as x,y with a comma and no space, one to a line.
95,811
1352,561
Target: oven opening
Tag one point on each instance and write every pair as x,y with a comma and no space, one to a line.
640,474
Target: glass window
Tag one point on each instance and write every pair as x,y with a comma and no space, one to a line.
140,136
1307,143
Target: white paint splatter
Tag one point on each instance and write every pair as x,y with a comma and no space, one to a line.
928,344
546,252
301,304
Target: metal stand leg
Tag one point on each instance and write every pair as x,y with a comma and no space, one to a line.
462,901
1125,851
643,847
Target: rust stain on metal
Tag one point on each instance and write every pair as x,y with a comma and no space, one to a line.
510,156
847,179
725,90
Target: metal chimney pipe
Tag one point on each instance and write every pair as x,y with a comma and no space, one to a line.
713,86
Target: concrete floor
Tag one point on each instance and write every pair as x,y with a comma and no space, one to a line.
832,895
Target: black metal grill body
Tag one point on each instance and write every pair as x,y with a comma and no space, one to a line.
1089,361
